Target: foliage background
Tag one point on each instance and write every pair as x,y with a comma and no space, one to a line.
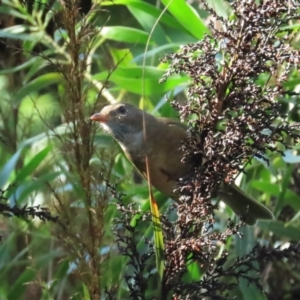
58,66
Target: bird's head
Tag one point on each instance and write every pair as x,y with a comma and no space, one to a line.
121,120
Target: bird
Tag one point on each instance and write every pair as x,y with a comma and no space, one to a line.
160,142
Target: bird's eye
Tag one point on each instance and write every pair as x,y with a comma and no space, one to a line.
122,110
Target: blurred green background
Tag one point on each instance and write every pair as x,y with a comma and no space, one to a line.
58,67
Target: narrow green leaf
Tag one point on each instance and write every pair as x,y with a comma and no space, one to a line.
158,242
171,47
291,26
266,187
284,187
122,57
33,164
9,167
25,65
243,246
250,291
280,229
187,17
6,10
125,34
19,32
43,137
19,285
194,273
150,9
290,197
130,79
86,292
221,7
27,188
148,22
36,85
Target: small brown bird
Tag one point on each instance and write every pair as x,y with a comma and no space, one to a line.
163,138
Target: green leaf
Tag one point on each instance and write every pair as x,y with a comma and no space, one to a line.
187,17
158,242
149,9
149,23
250,291
41,138
33,164
25,65
36,85
281,229
4,9
172,47
9,167
27,188
243,246
291,26
284,187
290,197
19,285
266,187
194,273
86,292
221,7
17,32
121,57
125,34
132,79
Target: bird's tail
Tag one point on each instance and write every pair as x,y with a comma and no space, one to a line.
244,205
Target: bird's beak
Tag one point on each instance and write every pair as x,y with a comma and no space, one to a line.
99,118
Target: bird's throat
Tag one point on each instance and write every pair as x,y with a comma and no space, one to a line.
133,143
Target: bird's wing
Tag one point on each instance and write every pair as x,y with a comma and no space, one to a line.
172,122
165,158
